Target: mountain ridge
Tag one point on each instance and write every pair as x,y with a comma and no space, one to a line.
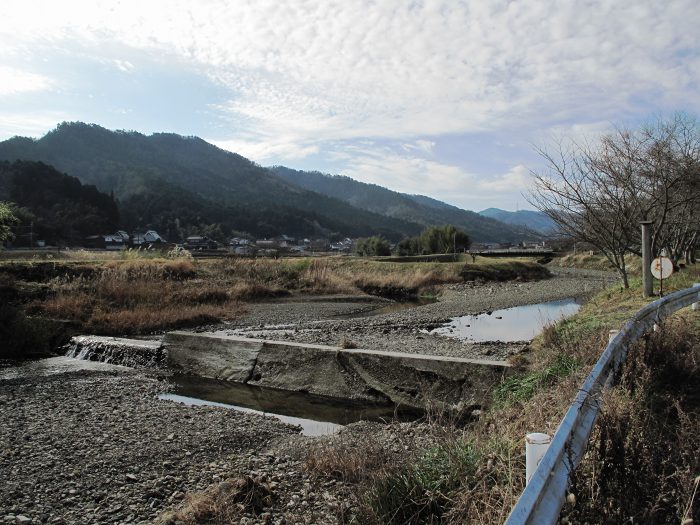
185,185
416,208
534,220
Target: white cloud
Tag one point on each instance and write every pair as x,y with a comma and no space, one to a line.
517,179
124,66
305,77
30,124
398,69
415,174
14,81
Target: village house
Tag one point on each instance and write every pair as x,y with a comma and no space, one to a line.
146,239
199,243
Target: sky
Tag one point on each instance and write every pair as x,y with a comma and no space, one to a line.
448,99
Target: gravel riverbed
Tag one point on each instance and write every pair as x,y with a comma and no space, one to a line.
97,446
92,443
336,322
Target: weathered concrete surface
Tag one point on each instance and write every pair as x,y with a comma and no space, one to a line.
230,359
134,353
408,379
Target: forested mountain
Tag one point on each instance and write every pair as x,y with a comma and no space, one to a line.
414,208
184,185
180,185
534,220
53,206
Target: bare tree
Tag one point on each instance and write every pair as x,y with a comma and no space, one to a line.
599,194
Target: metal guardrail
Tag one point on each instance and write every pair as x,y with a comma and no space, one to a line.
541,501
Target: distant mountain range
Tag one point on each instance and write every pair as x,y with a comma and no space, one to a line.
184,185
533,220
412,208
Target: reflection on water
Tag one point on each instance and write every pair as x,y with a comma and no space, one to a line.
317,415
520,323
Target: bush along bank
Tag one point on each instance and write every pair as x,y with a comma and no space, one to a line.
505,271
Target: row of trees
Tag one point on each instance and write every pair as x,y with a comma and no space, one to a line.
435,239
599,193
432,240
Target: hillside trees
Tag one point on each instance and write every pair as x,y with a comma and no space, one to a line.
54,206
7,221
599,193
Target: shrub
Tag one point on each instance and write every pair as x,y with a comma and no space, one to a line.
644,458
421,489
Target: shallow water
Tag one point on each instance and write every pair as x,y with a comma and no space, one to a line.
521,323
317,415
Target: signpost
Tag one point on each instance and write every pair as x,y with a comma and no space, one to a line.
661,268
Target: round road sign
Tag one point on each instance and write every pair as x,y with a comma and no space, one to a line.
661,267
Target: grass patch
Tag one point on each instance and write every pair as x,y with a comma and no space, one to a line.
504,270
223,504
420,490
518,389
589,261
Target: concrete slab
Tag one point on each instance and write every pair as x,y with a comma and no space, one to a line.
360,374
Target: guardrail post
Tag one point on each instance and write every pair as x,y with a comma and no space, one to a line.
648,282
536,444
696,305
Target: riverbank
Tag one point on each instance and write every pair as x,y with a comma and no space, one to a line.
337,322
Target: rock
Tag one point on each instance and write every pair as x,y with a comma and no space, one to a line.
23,520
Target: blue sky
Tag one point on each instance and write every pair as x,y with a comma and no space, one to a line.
442,98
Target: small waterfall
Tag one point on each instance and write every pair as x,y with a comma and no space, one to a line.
133,353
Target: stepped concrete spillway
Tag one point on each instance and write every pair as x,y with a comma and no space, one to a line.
363,375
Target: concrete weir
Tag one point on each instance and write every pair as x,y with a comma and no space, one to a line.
362,375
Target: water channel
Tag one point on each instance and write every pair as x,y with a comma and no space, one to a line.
317,415
520,323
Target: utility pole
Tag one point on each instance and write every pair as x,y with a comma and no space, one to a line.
648,284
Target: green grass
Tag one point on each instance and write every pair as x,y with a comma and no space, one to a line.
419,491
518,389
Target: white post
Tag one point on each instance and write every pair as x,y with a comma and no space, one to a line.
696,305
536,444
612,334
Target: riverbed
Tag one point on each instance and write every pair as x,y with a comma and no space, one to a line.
95,444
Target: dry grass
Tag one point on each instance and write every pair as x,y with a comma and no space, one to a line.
599,262
223,504
137,296
347,460
644,457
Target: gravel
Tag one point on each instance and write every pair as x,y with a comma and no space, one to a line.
353,324
93,446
